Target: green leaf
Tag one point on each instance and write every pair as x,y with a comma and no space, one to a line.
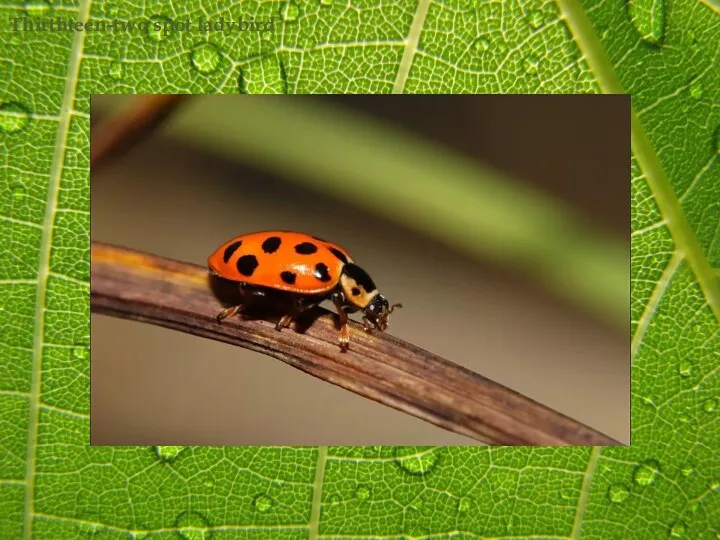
54,485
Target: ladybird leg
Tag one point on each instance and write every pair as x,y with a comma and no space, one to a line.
366,325
229,312
299,307
249,295
284,322
344,338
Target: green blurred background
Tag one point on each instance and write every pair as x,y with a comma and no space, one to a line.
500,222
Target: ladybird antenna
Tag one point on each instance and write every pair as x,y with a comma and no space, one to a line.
386,314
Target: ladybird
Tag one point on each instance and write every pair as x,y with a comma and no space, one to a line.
306,270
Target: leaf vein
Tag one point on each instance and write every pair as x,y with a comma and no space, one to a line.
411,46
585,491
683,236
63,132
654,302
317,493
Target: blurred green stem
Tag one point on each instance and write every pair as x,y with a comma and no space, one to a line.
431,189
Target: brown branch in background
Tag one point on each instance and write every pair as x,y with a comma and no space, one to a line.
173,294
127,126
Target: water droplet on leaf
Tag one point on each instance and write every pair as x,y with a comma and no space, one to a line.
696,89
618,493
646,473
418,460
104,534
535,19
685,368
160,28
81,352
263,503
333,499
13,117
531,63
710,405
115,71
168,453
18,192
290,12
687,471
648,18
678,529
89,528
193,526
263,76
205,58
362,493
481,45
37,8
464,504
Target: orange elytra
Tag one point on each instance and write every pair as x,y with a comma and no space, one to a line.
307,270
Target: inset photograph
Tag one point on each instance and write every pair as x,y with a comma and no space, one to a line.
360,270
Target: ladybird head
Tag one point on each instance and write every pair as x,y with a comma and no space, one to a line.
360,292
378,311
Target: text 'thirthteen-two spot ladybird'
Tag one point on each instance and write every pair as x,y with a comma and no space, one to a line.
305,268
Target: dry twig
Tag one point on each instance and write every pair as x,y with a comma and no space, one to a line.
126,127
134,285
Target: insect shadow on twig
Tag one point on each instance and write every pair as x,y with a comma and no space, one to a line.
272,308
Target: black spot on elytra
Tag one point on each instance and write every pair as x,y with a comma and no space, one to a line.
232,248
271,245
360,276
355,291
305,248
288,277
247,264
339,254
322,272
